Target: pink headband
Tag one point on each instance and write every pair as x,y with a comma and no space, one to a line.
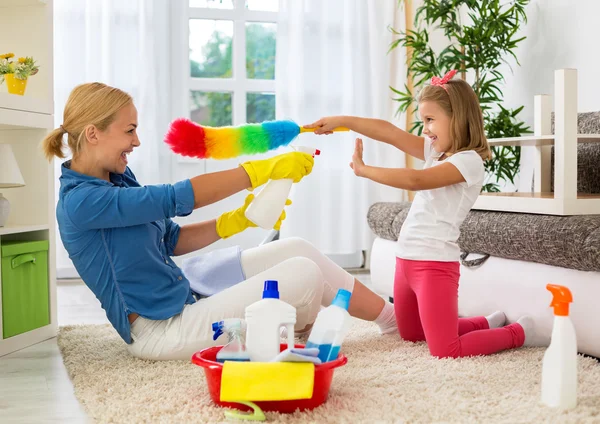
444,80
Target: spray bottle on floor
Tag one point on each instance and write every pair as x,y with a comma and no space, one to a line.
266,207
559,369
331,326
235,349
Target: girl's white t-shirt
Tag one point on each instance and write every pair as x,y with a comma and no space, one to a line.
432,227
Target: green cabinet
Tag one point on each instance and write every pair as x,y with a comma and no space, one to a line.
25,300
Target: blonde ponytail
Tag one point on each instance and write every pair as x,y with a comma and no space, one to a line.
94,104
53,144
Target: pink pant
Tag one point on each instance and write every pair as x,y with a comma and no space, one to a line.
426,305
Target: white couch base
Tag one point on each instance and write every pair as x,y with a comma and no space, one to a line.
514,287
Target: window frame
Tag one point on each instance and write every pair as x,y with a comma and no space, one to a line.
239,85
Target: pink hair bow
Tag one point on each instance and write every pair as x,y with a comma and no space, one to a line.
444,80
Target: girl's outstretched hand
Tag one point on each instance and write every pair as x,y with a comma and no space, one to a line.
357,163
325,125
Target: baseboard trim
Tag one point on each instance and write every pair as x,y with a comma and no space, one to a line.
67,274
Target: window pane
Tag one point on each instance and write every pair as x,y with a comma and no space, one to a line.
267,5
212,109
212,4
210,48
260,107
260,50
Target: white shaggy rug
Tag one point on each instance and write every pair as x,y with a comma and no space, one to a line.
386,380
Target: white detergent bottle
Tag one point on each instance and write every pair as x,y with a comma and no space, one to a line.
267,206
264,320
331,326
559,368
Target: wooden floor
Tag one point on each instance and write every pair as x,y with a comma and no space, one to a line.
34,385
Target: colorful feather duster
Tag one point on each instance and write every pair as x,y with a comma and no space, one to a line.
190,139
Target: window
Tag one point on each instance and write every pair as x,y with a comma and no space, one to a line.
232,61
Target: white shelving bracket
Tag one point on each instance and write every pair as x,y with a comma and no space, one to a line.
542,125
565,129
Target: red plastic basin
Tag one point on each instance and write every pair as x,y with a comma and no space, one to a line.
213,370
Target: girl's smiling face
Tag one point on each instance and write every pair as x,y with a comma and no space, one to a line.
436,126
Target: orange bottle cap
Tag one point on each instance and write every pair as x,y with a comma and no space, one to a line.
561,297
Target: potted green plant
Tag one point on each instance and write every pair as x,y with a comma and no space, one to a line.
16,72
477,48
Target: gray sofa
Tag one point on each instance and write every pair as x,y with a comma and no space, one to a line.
565,241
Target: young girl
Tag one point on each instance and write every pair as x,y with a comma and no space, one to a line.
120,237
427,267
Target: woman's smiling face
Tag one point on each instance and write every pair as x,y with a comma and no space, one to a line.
118,140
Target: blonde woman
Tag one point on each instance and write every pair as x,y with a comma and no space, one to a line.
120,237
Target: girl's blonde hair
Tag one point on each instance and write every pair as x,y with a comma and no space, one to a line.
460,102
89,104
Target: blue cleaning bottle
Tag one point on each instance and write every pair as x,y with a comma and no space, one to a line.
235,349
331,326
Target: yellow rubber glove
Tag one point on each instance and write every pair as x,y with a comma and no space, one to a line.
234,222
294,165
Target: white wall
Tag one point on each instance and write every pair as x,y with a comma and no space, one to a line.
560,34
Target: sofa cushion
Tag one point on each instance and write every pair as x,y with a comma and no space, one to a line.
386,219
565,241
588,155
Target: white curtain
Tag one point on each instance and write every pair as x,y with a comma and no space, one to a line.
332,58
124,44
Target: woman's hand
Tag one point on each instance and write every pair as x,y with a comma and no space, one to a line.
357,163
326,125
294,165
234,222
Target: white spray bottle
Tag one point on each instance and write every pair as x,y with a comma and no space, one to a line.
559,368
267,206
235,349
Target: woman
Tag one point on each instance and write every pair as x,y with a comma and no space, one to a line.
120,237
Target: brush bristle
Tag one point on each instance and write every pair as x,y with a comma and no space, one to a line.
281,133
190,139
186,138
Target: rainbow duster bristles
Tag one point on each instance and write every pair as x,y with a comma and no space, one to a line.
190,139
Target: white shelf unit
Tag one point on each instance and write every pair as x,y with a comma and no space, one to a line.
564,200
24,121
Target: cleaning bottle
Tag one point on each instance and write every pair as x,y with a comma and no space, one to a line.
559,367
331,326
234,350
264,320
266,207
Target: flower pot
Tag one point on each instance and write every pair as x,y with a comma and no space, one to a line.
15,85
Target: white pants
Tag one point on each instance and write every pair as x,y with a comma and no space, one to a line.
307,280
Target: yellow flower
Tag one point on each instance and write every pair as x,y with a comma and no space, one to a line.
22,60
9,55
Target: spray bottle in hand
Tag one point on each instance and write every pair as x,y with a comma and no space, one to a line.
559,368
267,206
